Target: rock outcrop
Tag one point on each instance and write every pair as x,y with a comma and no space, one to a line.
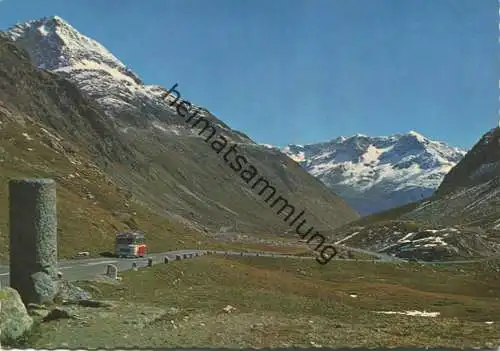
14,318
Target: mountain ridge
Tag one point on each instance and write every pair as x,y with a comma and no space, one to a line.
470,193
479,164
55,45
376,173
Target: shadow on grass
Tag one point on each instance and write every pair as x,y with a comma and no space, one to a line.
106,254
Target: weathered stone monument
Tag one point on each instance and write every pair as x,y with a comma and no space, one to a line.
33,239
165,259
134,266
150,262
178,257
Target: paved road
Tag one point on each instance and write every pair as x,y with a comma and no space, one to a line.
86,268
79,269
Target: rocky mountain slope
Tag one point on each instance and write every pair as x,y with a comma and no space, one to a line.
54,45
49,129
470,193
374,174
480,165
76,113
461,219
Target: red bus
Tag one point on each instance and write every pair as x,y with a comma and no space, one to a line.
130,244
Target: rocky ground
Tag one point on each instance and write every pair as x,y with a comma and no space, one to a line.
270,302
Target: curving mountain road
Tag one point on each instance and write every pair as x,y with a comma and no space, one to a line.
80,269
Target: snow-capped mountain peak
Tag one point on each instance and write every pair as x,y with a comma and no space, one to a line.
416,135
55,45
377,173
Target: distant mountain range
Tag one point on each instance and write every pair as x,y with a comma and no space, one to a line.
461,219
377,173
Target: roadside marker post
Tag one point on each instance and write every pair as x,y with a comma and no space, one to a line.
33,239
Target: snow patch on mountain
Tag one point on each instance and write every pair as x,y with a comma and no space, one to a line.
377,173
408,240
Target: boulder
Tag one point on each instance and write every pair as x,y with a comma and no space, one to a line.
14,318
44,288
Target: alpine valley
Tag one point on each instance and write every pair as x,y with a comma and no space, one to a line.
122,157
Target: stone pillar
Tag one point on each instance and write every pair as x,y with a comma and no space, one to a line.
33,239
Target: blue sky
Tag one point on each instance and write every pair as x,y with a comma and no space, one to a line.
303,71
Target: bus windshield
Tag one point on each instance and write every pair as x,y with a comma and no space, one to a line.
125,241
130,240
